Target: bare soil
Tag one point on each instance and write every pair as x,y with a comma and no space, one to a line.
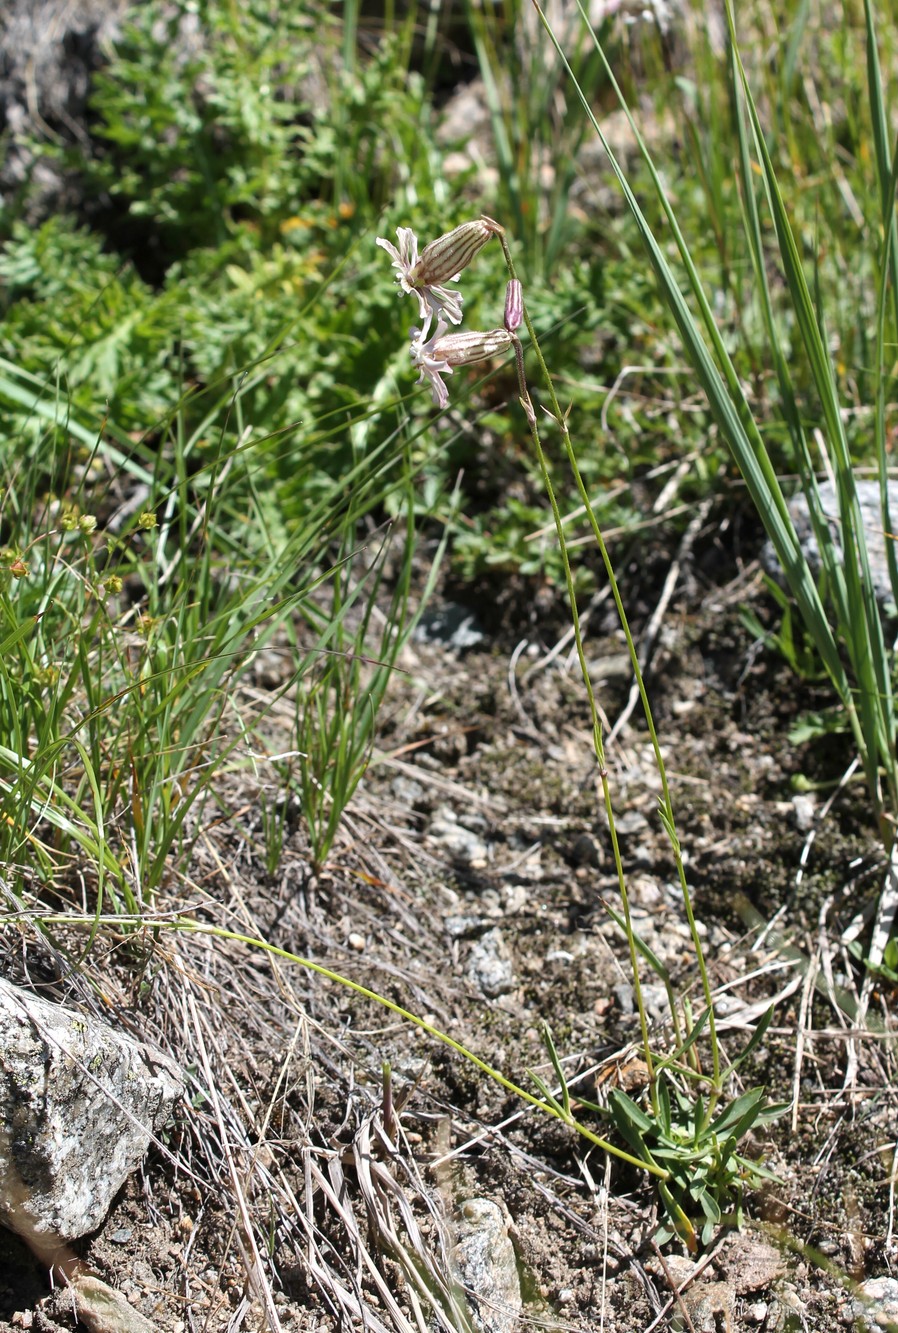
468,887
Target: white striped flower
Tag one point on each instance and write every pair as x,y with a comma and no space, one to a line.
437,356
439,262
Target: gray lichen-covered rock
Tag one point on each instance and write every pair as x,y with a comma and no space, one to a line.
48,52
489,965
878,1303
485,1263
874,534
78,1104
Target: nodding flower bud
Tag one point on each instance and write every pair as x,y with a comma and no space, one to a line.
444,259
436,356
460,349
514,305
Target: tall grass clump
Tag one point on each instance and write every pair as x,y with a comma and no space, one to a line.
838,608
536,134
128,634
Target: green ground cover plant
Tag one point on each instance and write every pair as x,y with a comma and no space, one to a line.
212,446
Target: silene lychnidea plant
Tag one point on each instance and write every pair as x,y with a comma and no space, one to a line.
681,1135
424,276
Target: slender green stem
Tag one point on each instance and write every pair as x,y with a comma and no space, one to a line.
598,740
186,926
667,813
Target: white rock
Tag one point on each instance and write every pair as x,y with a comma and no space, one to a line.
804,806
78,1104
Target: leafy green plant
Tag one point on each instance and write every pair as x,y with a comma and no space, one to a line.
706,1174
78,321
199,112
213,123
240,165
886,967
790,639
505,540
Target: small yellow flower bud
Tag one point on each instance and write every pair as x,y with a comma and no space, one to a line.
87,524
147,520
113,584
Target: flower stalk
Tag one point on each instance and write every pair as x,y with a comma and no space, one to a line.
666,803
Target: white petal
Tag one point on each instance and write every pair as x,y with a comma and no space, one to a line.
408,246
390,249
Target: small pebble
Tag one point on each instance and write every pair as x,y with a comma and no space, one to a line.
515,897
457,927
356,942
489,967
457,840
805,807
